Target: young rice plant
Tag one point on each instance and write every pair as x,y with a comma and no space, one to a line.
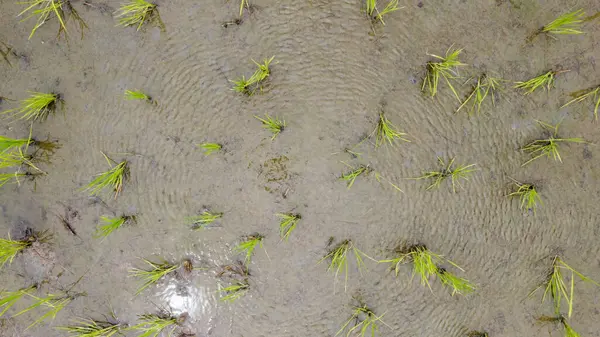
109,225
52,304
569,332
365,320
338,257
545,80
548,147
485,87
354,173
152,325
9,298
210,148
455,174
233,291
287,224
528,196
37,107
139,12
203,220
387,132
150,277
91,328
444,67
375,14
136,95
593,93
248,246
275,125
113,178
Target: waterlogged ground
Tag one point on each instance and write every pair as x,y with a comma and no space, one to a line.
330,79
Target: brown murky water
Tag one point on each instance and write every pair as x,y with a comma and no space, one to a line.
329,82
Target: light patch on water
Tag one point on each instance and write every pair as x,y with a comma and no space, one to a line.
182,296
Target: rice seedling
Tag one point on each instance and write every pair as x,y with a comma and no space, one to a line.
91,328
243,86
569,332
593,93
548,147
138,13
236,270
152,325
12,144
555,285
455,174
136,95
150,277
37,107
262,72
338,257
203,220
109,225
445,67
275,125
252,84
9,248
386,131
477,334
364,319
374,14
210,148
53,304
354,173
566,24
44,10
248,245
528,196
72,13
426,264
545,80
17,158
234,291
485,86
113,178
287,224
242,3
9,298
7,177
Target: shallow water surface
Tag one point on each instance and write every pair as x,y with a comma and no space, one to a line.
332,75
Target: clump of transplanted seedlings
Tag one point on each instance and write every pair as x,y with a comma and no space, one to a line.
287,224
37,107
92,328
108,225
151,325
557,287
528,196
138,13
548,147
273,124
233,291
11,144
338,259
364,319
455,174
112,179
444,67
256,81
9,298
486,86
387,132
545,80
569,332
45,10
153,275
566,24
136,95
9,248
204,220
426,264
51,303
375,14
210,148
248,245
16,177
355,172
583,95
236,285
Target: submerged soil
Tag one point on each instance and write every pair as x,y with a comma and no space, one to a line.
332,75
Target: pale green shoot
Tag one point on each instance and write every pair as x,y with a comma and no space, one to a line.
150,277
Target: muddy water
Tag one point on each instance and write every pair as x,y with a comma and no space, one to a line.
331,78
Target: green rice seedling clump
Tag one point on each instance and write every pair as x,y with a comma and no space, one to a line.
150,277
233,291
548,147
210,148
426,264
387,132
566,24
485,87
256,81
593,93
138,13
52,304
569,332
5,178
365,320
37,107
455,174
109,225
248,245
152,325
446,68
375,14
528,196
45,10
8,144
203,220
558,288
287,224
273,124
338,259
113,178
10,248
354,173
545,80
9,298
91,328
136,95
